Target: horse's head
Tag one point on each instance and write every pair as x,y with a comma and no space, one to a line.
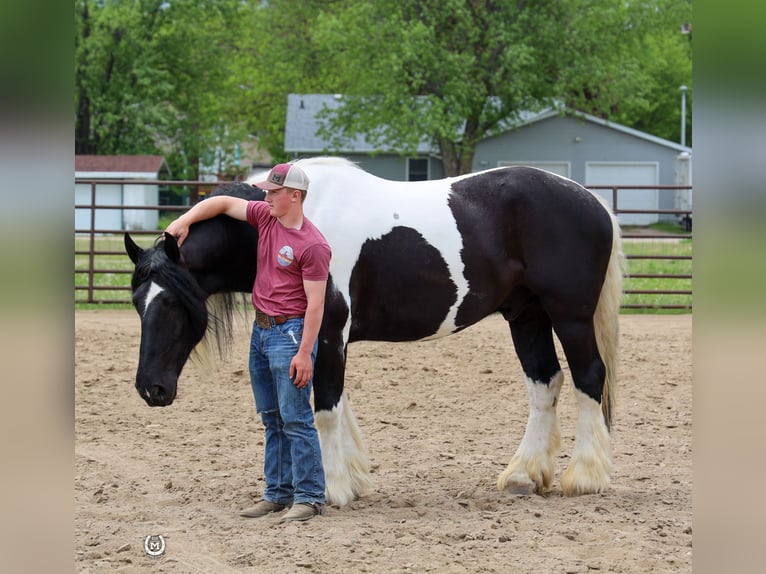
173,317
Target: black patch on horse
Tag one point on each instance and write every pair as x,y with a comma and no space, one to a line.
522,228
400,288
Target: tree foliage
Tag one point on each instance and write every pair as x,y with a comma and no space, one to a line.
153,76
192,76
452,72
665,64
279,55
121,87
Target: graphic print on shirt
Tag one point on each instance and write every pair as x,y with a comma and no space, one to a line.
285,256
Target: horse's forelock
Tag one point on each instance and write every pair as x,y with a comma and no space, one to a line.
177,280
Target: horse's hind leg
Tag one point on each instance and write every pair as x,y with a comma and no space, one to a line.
532,467
591,464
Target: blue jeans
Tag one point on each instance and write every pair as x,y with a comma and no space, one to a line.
292,459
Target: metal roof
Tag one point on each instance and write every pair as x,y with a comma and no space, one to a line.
144,164
301,126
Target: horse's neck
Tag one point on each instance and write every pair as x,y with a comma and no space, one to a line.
221,254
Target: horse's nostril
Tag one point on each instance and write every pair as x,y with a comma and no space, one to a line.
160,396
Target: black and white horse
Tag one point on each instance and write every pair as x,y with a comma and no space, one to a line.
413,261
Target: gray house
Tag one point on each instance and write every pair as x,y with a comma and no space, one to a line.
587,149
301,140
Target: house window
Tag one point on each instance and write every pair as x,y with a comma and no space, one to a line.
417,169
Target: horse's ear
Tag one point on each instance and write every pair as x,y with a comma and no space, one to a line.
134,251
171,248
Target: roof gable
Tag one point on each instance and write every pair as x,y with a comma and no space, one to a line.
552,113
120,163
302,125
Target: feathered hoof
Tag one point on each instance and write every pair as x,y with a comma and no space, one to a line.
339,497
528,477
343,491
584,478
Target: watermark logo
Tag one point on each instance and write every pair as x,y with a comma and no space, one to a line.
154,545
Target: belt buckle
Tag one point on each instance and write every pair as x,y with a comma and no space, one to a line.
262,320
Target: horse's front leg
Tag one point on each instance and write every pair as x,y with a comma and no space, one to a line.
532,467
344,456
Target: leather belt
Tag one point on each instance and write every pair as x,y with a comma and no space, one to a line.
265,321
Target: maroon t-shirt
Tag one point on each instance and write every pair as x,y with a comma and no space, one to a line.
285,258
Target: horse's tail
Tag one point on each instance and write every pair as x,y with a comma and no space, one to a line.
606,320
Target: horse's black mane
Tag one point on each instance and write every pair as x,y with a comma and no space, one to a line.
175,278
239,189
208,315
221,306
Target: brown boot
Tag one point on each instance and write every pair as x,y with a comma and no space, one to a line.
263,508
303,511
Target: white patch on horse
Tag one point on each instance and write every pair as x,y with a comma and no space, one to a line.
344,456
153,291
590,468
532,467
348,222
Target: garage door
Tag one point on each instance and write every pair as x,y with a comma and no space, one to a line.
615,173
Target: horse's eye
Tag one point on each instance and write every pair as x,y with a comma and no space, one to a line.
142,274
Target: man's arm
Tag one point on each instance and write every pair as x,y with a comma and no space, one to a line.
301,364
234,207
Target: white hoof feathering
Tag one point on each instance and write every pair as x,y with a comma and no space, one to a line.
532,467
591,467
344,456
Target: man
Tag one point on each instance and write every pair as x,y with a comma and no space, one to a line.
288,295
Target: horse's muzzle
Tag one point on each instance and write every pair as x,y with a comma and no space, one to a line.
157,395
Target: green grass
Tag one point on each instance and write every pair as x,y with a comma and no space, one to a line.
664,227
674,247
121,261
166,217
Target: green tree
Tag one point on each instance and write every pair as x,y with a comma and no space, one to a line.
279,55
448,71
453,72
121,88
190,78
198,42
666,65
154,76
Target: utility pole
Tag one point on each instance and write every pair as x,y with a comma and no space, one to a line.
683,114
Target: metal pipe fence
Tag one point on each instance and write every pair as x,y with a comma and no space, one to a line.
102,268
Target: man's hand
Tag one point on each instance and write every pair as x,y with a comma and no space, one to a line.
179,229
301,369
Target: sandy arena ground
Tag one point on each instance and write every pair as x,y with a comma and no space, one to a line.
441,420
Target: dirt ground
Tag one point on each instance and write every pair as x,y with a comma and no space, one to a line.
441,420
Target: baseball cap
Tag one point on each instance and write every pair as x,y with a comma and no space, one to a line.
285,175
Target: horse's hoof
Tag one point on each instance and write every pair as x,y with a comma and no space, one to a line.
517,489
516,484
